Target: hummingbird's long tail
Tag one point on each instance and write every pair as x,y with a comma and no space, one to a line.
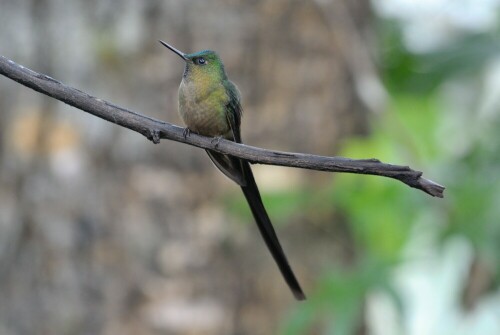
267,231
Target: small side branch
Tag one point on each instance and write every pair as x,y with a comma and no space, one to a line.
155,130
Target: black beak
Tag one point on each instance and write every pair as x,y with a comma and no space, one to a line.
180,53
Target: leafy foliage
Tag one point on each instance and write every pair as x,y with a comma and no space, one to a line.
382,212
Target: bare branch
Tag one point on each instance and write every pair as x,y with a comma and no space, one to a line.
155,130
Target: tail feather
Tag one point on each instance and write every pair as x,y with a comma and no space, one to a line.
267,231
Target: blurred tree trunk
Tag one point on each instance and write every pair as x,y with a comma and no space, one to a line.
103,233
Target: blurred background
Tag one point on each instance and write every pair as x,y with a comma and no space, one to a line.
102,232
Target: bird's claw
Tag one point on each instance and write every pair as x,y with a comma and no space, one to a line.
216,141
186,132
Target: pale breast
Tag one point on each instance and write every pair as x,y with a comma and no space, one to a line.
203,110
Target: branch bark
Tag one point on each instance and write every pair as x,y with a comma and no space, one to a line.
154,130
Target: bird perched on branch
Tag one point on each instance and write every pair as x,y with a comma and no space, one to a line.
210,105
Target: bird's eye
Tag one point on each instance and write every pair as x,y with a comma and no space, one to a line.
200,61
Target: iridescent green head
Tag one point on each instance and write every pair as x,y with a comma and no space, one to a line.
202,65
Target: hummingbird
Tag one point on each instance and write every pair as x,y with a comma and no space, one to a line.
210,105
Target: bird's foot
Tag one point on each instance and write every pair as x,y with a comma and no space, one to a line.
216,141
186,132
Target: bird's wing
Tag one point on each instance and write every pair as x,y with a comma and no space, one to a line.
230,165
234,111
252,194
